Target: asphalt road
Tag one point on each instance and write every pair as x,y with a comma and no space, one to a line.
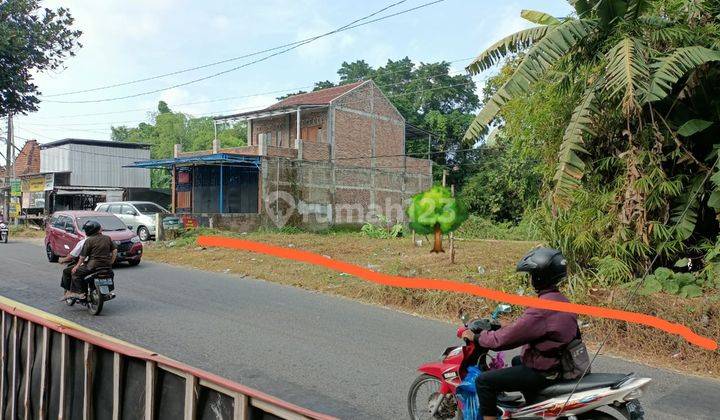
326,353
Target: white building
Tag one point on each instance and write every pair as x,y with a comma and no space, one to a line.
84,172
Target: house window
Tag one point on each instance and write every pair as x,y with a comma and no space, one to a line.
279,138
310,133
265,137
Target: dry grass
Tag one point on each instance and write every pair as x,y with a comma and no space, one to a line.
496,258
22,231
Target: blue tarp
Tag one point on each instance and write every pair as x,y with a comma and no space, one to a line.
212,159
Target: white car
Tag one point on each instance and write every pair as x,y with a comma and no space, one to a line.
139,216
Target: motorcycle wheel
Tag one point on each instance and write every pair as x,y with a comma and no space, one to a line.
5,238
95,302
420,392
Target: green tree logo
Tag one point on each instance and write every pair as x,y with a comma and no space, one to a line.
436,211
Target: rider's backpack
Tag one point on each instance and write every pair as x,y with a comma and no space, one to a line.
574,359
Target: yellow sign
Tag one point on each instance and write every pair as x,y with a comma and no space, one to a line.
35,184
14,210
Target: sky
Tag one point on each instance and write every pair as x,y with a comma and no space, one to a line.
126,40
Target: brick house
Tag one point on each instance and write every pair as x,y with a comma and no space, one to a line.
328,149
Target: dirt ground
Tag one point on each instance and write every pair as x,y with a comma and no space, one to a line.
489,263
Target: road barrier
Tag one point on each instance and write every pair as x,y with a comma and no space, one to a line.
54,369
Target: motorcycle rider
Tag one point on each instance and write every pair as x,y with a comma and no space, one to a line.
542,333
98,252
71,261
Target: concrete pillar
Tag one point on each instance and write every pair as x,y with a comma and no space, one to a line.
299,147
262,146
297,124
249,133
177,150
216,146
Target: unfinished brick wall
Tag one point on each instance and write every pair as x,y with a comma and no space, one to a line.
313,151
322,194
367,126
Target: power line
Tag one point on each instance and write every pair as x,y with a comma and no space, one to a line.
421,90
351,25
209,64
295,89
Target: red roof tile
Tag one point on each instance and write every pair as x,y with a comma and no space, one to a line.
28,160
318,97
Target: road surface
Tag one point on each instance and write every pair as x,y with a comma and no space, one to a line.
329,354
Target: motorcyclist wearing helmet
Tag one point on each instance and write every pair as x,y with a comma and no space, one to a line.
542,333
99,252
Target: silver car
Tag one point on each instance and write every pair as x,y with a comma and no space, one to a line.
139,216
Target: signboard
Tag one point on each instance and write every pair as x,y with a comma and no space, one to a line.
14,209
189,222
36,200
15,189
49,182
34,184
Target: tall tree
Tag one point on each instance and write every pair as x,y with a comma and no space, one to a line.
352,72
32,39
170,128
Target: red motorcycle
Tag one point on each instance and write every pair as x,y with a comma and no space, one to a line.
600,396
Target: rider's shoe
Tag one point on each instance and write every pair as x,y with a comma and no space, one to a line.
73,295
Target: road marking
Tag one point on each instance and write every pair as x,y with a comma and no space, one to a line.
455,286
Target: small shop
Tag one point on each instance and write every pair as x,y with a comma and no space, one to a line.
34,191
213,184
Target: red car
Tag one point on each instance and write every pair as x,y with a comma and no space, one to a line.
64,230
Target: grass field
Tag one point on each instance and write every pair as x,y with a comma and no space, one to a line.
489,263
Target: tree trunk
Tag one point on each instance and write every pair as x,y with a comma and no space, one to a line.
438,240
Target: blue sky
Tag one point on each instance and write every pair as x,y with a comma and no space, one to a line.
131,39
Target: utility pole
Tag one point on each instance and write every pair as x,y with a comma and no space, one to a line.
8,162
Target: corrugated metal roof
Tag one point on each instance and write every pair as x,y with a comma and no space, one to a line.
90,142
211,159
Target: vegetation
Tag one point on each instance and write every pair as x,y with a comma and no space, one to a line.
436,211
170,128
32,39
618,109
383,229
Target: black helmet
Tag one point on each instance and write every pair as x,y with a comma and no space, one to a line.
91,227
547,266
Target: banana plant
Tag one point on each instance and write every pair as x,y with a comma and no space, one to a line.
635,66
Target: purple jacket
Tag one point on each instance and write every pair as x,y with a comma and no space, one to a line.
541,332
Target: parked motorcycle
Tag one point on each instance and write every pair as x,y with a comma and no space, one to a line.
3,232
100,286
600,396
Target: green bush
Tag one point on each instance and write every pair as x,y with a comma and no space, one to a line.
687,285
382,230
476,227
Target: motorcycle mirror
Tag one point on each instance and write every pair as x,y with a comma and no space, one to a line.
503,308
464,317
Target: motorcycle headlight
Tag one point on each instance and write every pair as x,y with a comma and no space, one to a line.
116,242
3,225
135,239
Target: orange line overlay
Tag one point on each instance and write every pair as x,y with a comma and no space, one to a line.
454,286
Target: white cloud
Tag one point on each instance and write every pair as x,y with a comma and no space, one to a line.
322,48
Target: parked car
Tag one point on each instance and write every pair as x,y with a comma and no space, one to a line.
64,230
139,216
